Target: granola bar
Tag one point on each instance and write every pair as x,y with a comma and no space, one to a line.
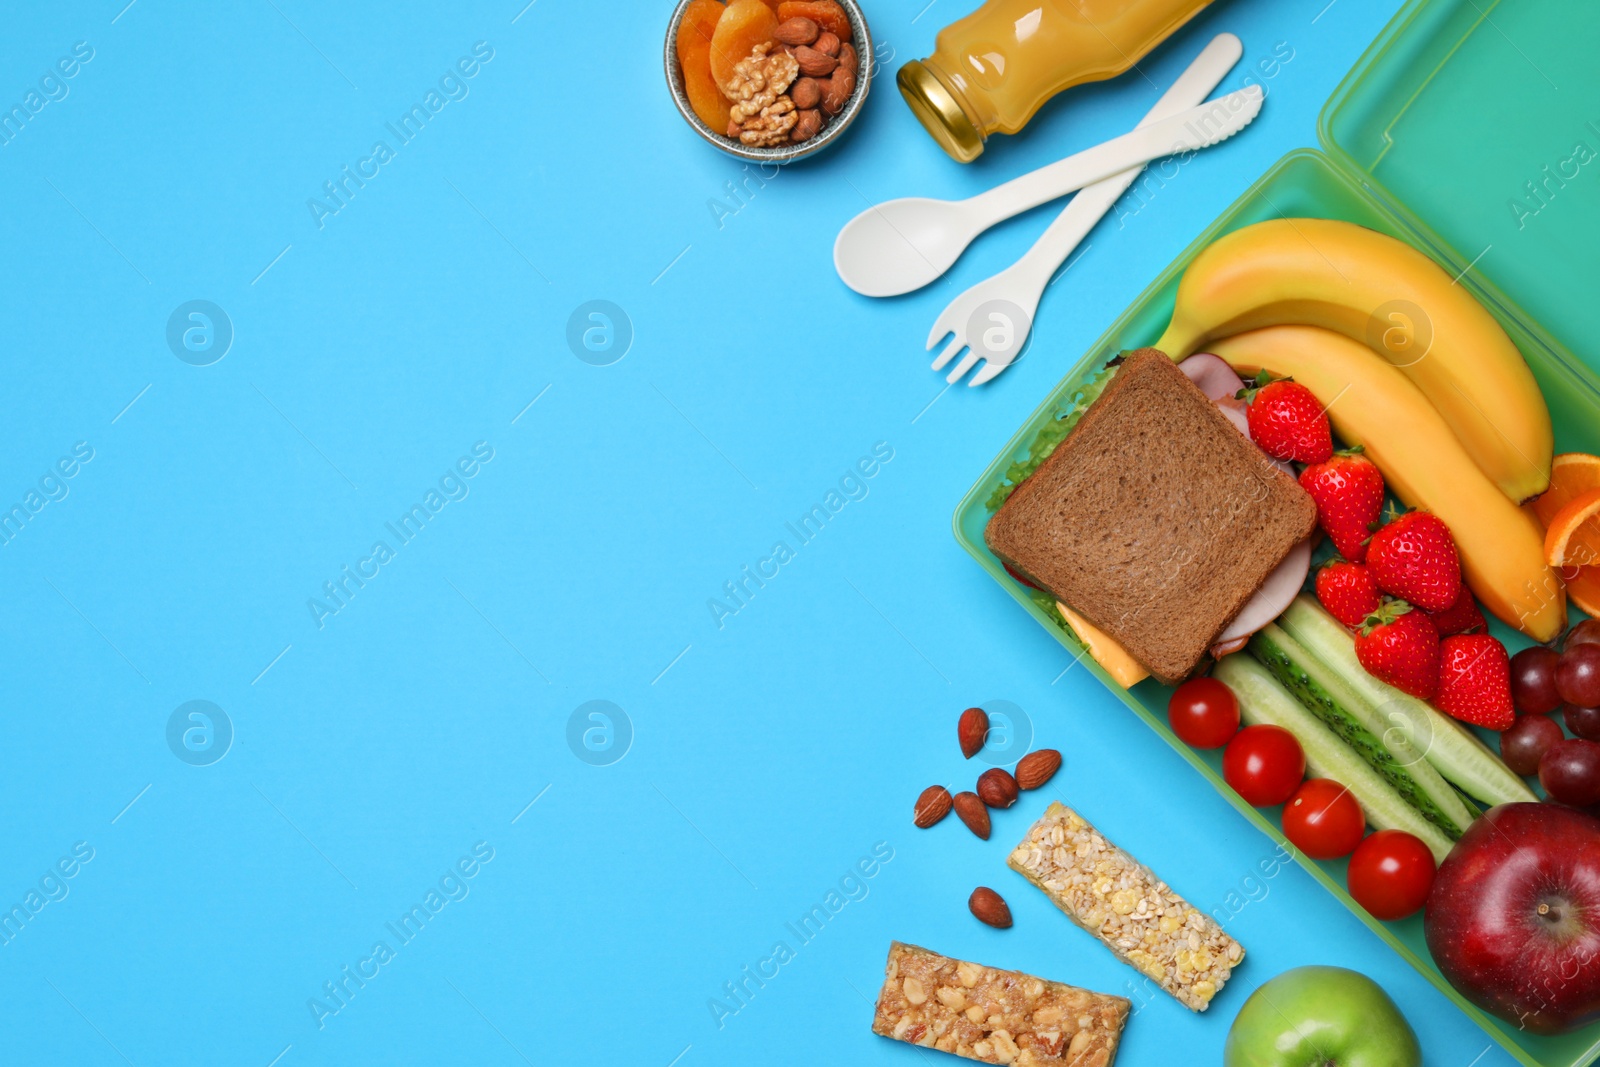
1119,900
994,1016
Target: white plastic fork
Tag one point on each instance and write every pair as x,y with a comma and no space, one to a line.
992,319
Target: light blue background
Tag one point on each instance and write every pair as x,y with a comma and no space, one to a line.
768,755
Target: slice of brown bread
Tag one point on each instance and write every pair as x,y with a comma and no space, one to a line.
1155,519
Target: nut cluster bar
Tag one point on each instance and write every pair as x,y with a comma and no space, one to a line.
994,1016
1119,900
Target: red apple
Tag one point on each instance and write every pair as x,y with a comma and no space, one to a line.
1513,920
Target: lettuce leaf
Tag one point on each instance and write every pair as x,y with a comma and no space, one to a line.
1047,604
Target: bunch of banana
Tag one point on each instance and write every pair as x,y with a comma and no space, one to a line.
1371,404
1395,301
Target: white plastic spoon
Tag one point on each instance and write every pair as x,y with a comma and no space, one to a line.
904,244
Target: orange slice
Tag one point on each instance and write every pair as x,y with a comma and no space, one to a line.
1571,473
1572,538
1583,589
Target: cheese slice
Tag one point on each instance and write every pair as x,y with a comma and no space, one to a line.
1106,652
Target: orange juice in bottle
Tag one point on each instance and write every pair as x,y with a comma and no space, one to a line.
993,69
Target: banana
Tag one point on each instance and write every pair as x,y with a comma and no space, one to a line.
1371,404
1390,296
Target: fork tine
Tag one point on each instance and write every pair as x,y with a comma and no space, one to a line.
955,346
942,328
991,370
966,364
989,373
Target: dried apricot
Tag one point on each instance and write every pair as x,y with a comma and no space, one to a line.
825,13
743,25
699,23
704,95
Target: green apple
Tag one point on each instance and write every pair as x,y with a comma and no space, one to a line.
1321,1017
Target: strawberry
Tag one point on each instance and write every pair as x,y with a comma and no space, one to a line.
1348,592
1462,617
1413,557
1475,681
1400,646
1348,491
1287,420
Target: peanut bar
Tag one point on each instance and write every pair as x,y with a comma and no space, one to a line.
1119,900
994,1016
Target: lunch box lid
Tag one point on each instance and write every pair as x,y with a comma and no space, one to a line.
1479,122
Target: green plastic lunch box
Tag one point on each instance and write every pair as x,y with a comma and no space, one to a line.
1471,129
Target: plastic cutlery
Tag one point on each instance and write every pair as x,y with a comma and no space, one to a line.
901,245
994,317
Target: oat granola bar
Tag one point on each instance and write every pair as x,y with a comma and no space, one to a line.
995,1016
1120,901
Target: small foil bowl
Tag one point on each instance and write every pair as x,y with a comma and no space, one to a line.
860,38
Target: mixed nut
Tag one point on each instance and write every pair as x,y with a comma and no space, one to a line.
989,907
767,74
972,729
996,788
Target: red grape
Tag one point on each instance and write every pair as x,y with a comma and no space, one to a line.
1525,743
1578,675
1533,680
1586,632
1570,772
1584,722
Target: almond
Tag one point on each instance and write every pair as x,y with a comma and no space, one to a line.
797,31
989,907
837,89
807,127
970,810
827,44
972,728
848,58
806,93
1037,768
997,788
813,63
932,805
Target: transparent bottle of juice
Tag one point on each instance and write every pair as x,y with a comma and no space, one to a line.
993,69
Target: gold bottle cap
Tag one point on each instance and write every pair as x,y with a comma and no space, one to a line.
939,111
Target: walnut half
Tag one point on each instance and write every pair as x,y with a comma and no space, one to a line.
761,112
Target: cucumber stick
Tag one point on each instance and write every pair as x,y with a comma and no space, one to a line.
1263,699
1454,751
1360,726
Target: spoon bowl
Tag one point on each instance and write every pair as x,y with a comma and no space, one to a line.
903,244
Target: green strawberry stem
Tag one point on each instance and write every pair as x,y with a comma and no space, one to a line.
1386,613
1262,379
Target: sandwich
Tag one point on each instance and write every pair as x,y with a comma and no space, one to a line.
1155,519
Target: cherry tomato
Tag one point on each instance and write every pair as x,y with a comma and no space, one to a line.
1264,764
1204,712
1390,874
1323,820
